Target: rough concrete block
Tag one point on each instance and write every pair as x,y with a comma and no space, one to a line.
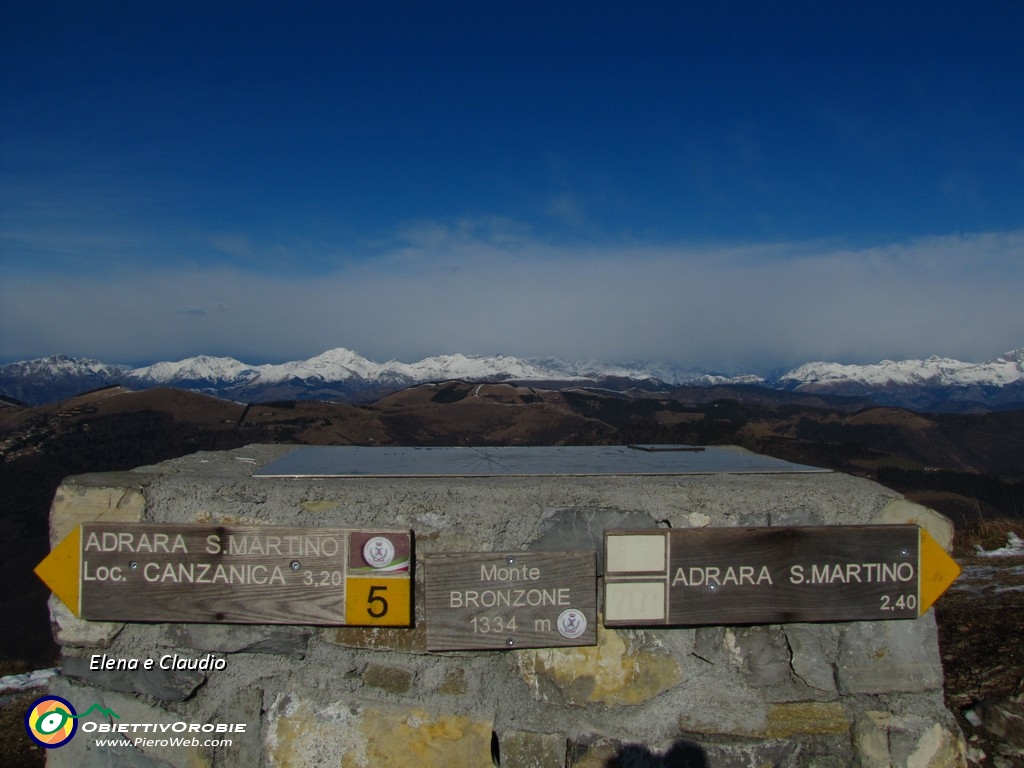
246,750
300,732
698,520
708,644
885,740
755,719
745,755
787,720
724,709
389,679
761,695
597,754
164,684
827,761
73,632
567,530
760,653
379,638
763,653
525,749
797,515
890,657
454,683
95,498
238,638
624,668
902,511
813,651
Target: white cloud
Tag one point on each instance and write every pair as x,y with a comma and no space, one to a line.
490,289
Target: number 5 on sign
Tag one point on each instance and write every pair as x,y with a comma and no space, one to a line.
383,602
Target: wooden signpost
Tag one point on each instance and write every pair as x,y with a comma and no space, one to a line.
233,574
476,601
507,600
687,577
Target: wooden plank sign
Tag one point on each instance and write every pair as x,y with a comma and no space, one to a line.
233,574
507,600
689,577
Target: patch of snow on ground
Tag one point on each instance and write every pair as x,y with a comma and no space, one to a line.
1014,548
995,571
26,681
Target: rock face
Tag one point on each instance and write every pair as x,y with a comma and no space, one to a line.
862,693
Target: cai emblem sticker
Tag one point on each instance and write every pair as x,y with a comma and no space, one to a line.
379,552
572,623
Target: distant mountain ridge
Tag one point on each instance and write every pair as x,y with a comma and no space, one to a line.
341,374
937,383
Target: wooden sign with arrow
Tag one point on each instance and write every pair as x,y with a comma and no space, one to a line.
690,577
233,574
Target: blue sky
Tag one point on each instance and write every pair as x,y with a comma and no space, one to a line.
728,184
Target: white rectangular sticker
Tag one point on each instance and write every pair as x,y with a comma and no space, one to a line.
634,601
636,553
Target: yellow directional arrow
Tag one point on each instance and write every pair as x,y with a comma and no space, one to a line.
61,571
936,571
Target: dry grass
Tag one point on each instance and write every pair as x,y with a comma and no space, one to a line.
16,748
980,629
987,534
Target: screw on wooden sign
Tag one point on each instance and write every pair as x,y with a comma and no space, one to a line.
233,574
507,600
691,577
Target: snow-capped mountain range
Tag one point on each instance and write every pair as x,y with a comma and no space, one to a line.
938,383
341,374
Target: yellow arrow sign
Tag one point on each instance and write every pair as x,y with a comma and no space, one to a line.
936,569
61,571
